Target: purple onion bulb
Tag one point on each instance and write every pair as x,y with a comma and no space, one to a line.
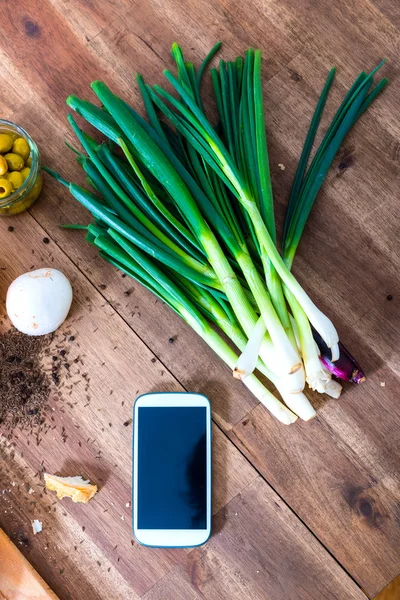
346,367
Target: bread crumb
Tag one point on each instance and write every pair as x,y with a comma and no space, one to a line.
75,488
281,166
37,526
382,383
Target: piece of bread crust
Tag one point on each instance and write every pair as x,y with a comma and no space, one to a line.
75,488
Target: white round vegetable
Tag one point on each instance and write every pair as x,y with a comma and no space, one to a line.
38,302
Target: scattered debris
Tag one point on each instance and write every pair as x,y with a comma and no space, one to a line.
24,383
37,526
21,538
127,423
382,383
281,166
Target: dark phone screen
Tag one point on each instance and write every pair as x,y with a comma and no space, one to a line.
172,467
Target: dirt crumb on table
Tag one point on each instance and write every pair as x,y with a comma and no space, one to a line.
24,385
30,367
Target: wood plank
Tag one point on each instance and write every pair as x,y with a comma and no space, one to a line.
88,19
391,592
17,577
273,560
390,9
47,58
139,47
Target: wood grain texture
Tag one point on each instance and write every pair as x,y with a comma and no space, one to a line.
391,592
340,473
88,550
258,569
17,576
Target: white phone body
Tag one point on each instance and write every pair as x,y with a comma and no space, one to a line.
171,538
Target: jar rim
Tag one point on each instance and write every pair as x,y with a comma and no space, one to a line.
35,162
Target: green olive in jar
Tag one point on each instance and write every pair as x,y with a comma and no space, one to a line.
25,173
6,142
3,166
15,161
23,165
5,188
21,147
16,179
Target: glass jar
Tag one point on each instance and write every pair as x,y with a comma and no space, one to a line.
28,192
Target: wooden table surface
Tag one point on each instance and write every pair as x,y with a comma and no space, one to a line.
310,511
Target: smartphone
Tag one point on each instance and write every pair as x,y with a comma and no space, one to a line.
172,470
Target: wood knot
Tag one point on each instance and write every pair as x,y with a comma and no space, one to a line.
31,28
346,161
364,505
295,75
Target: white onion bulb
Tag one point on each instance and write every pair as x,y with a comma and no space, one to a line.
38,302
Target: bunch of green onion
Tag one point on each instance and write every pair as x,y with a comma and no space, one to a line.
186,209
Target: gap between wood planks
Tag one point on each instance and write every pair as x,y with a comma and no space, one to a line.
115,309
